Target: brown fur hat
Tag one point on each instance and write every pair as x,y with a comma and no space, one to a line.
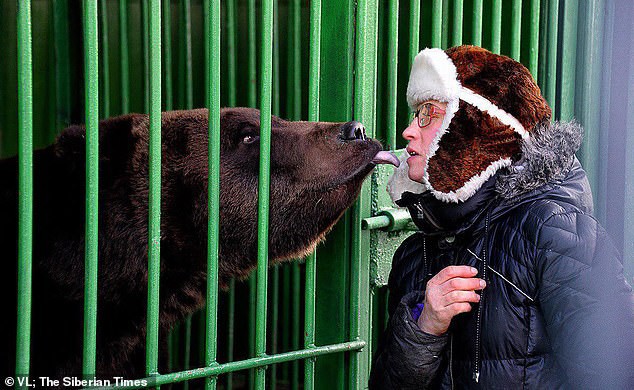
493,103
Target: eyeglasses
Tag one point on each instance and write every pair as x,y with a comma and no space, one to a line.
426,112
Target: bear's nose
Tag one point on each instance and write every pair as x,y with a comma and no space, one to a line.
351,131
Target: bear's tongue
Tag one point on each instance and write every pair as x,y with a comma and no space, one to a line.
385,157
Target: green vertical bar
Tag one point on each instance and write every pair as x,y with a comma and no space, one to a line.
294,62
264,186
154,244
414,29
231,53
568,59
62,67
25,172
313,115
146,54
516,29
551,70
275,104
187,100
167,55
252,102
123,47
533,54
213,186
590,60
364,110
445,24
286,308
477,23
91,60
542,62
496,26
251,87
295,331
456,33
231,98
436,23
392,72
105,60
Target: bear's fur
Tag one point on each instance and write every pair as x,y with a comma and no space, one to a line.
316,173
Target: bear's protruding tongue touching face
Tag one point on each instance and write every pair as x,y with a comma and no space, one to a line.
317,169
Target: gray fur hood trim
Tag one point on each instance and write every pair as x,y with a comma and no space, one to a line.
547,156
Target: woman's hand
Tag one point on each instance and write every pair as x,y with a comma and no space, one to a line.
449,293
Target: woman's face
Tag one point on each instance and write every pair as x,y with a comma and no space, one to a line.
420,133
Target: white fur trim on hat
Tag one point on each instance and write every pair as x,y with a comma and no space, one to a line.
433,76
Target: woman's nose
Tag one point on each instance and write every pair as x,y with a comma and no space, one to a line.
412,131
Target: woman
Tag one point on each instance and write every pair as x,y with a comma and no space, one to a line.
510,283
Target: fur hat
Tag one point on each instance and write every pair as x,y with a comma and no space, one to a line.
493,103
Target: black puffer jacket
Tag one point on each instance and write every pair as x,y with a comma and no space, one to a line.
558,315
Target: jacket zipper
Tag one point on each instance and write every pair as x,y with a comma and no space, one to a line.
476,371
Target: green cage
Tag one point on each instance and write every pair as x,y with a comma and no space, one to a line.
313,323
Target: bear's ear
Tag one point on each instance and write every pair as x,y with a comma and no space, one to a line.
116,143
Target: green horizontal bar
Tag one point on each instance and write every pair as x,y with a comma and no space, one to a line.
378,222
25,206
350,346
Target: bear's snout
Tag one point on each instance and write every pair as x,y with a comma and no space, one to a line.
351,131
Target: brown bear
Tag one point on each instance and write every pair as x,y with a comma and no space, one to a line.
317,169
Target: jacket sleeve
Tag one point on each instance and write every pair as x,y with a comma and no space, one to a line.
406,357
587,304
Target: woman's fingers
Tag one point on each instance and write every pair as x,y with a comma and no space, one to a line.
465,284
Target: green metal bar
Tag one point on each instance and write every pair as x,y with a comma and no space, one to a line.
294,90
551,71
313,115
590,69
533,55
123,47
154,244
252,102
414,29
62,68
231,98
286,308
264,186
196,373
295,332
187,347
91,60
186,41
25,203
516,29
105,59
568,59
231,302
436,23
364,110
231,52
477,23
445,24
213,190
542,62
275,299
146,55
496,26
253,79
456,34
167,55
275,104
392,73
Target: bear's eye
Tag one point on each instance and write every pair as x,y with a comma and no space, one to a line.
249,139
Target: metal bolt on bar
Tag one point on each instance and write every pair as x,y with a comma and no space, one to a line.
91,60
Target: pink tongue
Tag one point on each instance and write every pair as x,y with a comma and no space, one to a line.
384,157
